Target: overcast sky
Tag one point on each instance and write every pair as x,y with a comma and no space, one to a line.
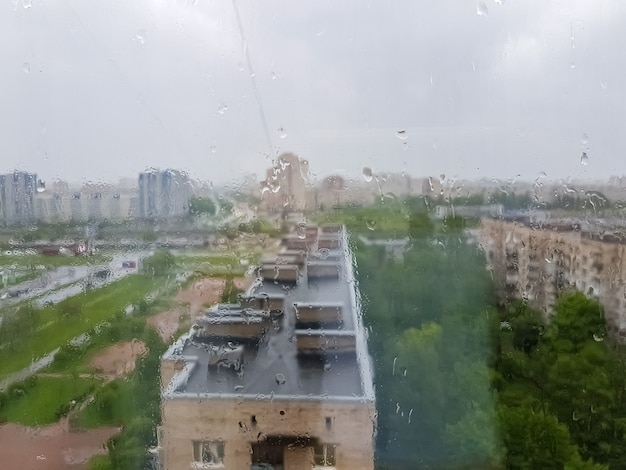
100,89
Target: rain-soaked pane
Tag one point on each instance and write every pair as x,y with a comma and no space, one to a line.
325,235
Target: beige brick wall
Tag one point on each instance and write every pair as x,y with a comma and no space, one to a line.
230,420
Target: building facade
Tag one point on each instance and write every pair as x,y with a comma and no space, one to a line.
107,203
283,379
285,187
163,194
540,263
17,194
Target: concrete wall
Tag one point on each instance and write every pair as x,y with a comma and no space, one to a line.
230,420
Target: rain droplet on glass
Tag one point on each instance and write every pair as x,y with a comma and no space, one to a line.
367,174
402,135
584,140
141,37
481,9
584,159
26,67
221,109
282,133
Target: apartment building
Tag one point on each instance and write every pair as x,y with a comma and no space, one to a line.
17,193
163,194
540,263
285,186
281,380
107,203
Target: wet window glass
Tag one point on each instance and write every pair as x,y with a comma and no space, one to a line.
284,235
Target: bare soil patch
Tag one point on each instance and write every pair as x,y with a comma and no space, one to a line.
243,283
51,447
200,293
167,323
118,360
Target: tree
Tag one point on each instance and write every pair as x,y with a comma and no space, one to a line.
160,263
420,225
527,326
199,205
536,439
576,321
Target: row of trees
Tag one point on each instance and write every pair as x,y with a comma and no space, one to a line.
463,384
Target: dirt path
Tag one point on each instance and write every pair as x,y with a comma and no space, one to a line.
201,293
51,447
119,359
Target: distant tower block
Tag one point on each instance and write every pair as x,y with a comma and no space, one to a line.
284,189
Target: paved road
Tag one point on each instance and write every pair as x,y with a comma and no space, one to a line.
58,284
32,369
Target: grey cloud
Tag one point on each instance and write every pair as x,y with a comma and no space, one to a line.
488,96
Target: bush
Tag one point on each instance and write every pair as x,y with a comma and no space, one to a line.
4,400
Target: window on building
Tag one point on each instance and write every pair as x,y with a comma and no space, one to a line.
208,452
329,423
324,455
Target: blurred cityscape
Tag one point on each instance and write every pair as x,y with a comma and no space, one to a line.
288,186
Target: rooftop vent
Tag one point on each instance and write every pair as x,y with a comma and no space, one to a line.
328,341
265,302
331,228
291,257
318,314
228,355
244,324
280,272
323,269
295,243
329,242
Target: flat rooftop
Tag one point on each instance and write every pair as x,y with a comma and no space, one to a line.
311,345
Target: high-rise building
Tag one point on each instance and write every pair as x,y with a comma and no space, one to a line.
285,187
282,380
163,194
17,193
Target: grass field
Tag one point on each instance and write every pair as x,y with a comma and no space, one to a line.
46,400
217,264
391,221
100,462
114,403
59,323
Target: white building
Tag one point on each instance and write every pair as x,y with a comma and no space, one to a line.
163,194
17,192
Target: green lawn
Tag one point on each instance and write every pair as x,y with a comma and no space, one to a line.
45,401
378,221
57,324
100,462
114,403
217,264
